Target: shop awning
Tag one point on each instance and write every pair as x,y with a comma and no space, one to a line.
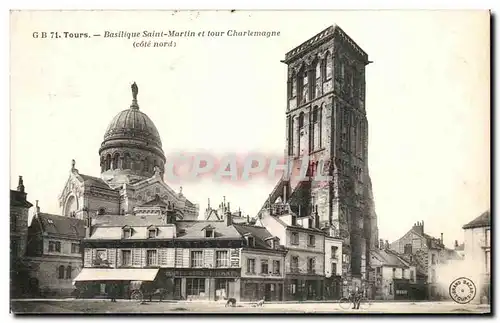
100,274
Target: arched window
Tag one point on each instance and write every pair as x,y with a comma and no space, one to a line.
115,161
301,120
68,272
315,114
305,85
103,164
317,80
108,162
60,272
318,70
126,161
293,85
328,67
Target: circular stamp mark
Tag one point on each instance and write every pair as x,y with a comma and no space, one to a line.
462,290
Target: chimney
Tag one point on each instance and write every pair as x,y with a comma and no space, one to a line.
37,208
284,192
209,203
20,185
248,218
442,240
456,243
381,244
228,207
386,244
419,227
229,219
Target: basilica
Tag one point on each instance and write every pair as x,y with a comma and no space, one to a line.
132,166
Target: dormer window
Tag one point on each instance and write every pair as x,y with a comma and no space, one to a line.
273,242
294,220
127,232
250,241
209,231
152,232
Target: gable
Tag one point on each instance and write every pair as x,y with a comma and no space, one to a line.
74,186
147,191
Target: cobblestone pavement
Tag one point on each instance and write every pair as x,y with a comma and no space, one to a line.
105,306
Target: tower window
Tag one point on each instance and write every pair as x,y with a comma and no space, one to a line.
293,86
328,67
301,120
126,161
108,162
115,161
315,114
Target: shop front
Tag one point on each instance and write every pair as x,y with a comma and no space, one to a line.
303,287
116,283
333,288
271,290
402,290
204,284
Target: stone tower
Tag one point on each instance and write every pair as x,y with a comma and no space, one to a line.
326,122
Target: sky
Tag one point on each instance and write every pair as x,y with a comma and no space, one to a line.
427,102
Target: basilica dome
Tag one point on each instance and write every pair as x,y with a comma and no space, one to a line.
132,123
131,149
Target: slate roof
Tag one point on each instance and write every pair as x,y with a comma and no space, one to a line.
388,258
193,230
94,181
120,221
62,226
484,220
259,233
19,199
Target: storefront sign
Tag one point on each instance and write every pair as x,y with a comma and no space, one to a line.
203,273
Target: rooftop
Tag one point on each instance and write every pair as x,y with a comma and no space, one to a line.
484,220
57,225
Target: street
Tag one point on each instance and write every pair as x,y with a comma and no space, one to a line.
106,306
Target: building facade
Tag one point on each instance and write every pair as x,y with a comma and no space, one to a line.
54,252
335,266
194,260
262,265
477,253
305,257
19,212
327,128
432,258
395,276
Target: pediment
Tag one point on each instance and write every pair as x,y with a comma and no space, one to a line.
74,185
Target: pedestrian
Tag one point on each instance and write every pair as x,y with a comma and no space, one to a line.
356,299
112,292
